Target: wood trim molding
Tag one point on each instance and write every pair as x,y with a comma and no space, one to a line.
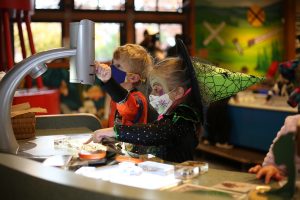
289,29
128,17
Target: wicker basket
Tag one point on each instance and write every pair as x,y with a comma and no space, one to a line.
24,125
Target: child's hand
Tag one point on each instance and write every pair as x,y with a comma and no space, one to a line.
100,134
268,172
103,71
254,169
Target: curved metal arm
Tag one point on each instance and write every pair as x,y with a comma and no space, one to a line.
8,86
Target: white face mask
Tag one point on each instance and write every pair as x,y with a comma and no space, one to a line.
161,103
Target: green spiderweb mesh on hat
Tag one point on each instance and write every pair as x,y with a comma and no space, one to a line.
217,83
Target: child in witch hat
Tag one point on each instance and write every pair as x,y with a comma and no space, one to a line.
180,87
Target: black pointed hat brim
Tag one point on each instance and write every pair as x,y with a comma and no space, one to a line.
183,53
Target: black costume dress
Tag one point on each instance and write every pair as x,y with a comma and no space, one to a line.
174,136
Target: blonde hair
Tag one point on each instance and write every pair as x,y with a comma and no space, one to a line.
173,71
137,57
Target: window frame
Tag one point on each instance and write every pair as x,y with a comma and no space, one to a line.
127,18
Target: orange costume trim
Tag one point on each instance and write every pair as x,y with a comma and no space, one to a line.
133,110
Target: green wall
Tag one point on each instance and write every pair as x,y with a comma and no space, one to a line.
236,34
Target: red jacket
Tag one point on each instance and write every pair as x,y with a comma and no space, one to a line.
133,110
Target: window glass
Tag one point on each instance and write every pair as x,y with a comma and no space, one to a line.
158,5
46,35
107,39
145,5
99,5
166,32
140,28
42,4
170,6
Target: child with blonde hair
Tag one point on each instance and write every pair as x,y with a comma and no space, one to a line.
125,82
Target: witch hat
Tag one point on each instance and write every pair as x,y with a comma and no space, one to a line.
211,83
217,83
